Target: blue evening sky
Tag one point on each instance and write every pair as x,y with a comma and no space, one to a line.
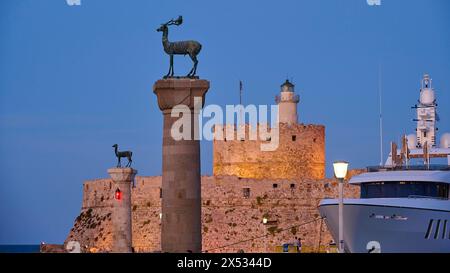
76,79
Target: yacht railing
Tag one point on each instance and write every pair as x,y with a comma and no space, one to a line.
431,167
428,197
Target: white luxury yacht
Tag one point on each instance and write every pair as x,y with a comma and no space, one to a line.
402,207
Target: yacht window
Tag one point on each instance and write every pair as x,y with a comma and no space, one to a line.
430,226
438,226
402,189
444,231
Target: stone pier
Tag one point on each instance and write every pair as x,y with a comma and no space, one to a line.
181,186
121,212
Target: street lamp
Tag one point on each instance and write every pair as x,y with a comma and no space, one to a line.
340,171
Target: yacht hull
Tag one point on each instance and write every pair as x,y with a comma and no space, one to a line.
390,225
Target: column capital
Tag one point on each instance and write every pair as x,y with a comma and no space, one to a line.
121,175
175,91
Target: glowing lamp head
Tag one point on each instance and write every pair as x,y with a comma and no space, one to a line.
264,220
340,169
118,195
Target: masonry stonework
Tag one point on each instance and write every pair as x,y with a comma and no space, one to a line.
300,154
232,212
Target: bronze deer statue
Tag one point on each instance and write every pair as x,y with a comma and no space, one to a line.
192,48
119,155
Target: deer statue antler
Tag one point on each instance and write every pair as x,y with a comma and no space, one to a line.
176,22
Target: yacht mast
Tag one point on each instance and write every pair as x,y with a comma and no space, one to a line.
380,116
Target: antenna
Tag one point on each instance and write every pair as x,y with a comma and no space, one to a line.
381,116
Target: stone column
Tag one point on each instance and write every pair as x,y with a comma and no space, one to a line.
121,212
181,188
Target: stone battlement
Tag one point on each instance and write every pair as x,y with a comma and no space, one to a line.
300,154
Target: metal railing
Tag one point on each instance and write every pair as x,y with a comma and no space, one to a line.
294,98
431,167
428,197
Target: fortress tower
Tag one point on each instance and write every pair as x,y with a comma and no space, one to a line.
300,153
287,104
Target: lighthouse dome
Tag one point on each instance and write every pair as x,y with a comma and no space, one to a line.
445,141
427,96
412,141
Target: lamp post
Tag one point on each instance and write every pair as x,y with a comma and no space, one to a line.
264,221
340,171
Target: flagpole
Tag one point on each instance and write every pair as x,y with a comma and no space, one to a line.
240,101
380,114
240,92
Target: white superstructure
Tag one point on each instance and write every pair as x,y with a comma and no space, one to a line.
423,144
402,207
426,114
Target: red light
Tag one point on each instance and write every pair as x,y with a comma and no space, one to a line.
118,195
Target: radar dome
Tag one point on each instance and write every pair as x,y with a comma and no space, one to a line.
427,96
412,141
445,140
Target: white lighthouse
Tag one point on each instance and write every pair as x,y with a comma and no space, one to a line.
287,103
426,114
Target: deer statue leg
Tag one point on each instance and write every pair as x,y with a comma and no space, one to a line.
195,65
118,162
194,59
171,65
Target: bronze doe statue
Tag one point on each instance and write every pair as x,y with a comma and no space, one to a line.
126,154
179,48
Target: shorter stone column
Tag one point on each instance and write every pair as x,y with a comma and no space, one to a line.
121,211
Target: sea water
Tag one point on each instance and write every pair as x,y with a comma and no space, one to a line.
19,248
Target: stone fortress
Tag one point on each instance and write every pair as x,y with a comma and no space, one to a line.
300,154
255,201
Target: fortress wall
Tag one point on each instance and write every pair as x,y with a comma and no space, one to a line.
145,211
300,155
92,228
95,193
227,215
